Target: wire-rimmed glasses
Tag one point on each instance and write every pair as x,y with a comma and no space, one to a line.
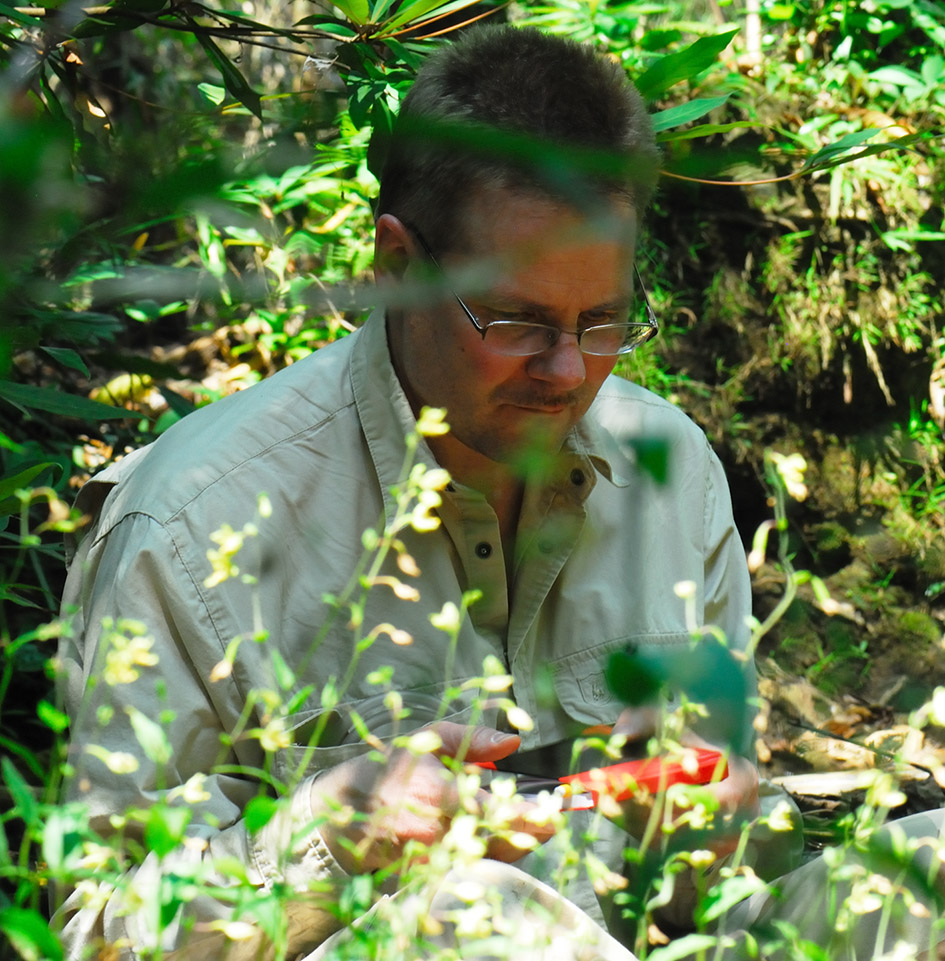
520,338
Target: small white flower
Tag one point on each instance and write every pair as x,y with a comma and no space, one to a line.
447,619
274,736
519,718
118,762
234,930
782,817
424,742
222,669
432,422
791,470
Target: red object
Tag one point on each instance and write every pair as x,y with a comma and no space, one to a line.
655,774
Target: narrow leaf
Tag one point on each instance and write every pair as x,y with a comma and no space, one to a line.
10,484
689,946
416,11
151,736
177,403
684,65
703,130
24,804
55,402
29,934
11,13
233,80
826,158
686,112
52,717
68,358
844,144
285,676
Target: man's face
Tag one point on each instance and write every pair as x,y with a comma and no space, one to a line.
548,264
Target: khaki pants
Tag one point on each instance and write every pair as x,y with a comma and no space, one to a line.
494,911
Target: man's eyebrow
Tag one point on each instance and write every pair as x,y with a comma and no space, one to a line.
511,302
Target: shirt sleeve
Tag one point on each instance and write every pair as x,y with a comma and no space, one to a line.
727,602
150,735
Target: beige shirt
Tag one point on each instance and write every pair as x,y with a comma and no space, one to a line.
599,549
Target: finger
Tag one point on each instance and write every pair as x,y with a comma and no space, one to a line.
521,823
636,723
475,743
738,793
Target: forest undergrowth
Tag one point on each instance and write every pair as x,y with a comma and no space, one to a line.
154,259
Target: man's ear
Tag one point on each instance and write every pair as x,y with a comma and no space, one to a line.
393,248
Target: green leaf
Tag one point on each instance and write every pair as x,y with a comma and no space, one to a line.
26,756
164,828
55,402
634,681
705,671
29,934
233,80
332,25
285,676
11,13
52,717
61,839
726,895
212,93
904,239
684,65
357,11
900,76
151,736
259,812
299,698
834,154
689,946
686,112
419,10
180,405
68,358
24,804
703,130
844,144
652,456
19,481
780,11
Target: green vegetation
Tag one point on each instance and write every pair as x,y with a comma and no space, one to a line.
185,207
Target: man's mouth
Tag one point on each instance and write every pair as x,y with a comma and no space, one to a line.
543,408
542,405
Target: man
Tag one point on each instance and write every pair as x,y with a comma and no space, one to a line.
515,184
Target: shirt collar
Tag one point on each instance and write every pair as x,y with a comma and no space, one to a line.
592,439
383,409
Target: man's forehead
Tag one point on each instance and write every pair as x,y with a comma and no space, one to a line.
491,216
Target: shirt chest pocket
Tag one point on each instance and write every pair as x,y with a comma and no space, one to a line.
582,686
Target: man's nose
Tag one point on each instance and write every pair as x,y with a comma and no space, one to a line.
561,365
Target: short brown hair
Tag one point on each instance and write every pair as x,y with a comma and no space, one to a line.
516,108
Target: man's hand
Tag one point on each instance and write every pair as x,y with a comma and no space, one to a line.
737,794
407,797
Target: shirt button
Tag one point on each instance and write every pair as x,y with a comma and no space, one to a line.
546,547
483,549
577,477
